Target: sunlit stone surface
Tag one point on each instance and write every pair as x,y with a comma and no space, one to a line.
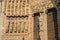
29,20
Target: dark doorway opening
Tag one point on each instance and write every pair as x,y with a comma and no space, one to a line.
36,26
53,12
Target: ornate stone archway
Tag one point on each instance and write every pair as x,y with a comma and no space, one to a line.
11,11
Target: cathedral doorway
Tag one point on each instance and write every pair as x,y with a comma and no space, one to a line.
52,24
36,26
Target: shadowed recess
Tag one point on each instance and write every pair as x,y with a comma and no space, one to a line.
54,11
36,26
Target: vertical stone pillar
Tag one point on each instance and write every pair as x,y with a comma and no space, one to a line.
43,26
31,28
1,20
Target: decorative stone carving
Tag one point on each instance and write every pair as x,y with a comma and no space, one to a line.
42,5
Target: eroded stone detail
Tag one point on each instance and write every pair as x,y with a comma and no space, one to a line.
18,14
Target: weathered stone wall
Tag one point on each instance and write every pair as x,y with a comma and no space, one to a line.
46,30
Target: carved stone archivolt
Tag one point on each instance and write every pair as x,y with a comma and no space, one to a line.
18,18
42,5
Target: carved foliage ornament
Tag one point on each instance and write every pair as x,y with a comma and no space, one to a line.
42,5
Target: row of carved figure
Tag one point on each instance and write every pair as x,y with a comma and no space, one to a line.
17,25
16,7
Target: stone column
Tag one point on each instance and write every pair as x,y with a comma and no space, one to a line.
43,26
0,6
1,22
31,28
